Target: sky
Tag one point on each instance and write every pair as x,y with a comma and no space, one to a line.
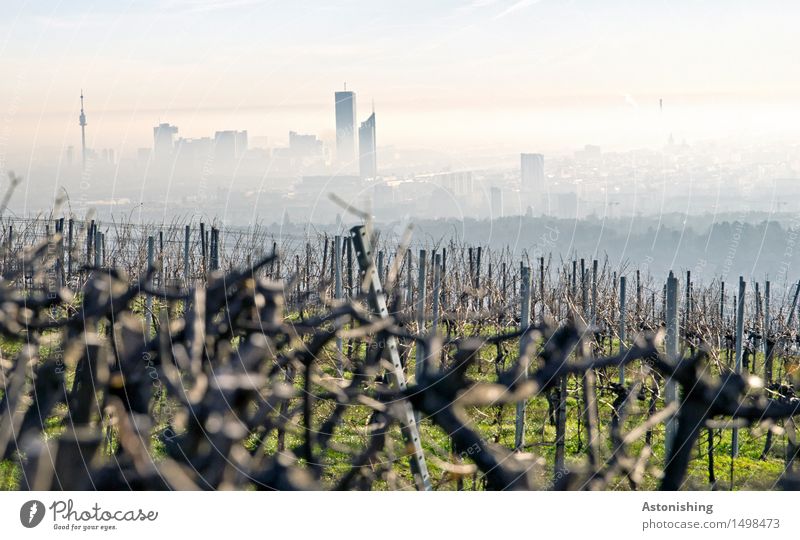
504,75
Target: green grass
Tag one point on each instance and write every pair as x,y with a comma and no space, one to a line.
494,423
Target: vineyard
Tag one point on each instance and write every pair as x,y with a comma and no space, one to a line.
191,356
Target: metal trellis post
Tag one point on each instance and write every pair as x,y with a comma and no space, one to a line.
377,302
524,322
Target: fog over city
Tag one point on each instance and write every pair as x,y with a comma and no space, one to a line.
662,132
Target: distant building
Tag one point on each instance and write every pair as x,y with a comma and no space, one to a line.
193,151
304,146
109,156
458,183
497,202
532,171
368,157
345,126
589,152
229,146
164,141
241,143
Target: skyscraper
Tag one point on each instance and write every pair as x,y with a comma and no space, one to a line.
532,171
164,141
345,126
367,155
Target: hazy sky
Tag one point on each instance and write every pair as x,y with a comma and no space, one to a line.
516,75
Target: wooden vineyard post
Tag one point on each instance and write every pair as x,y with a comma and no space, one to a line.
443,298
419,368
478,278
490,280
69,249
687,309
98,245
324,262
217,256
524,323
409,282
721,314
738,357
541,288
594,293
759,330
671,343
584,292
622,346
768,348
504,281
638,301
337,294
437,286
349,251
60,254
574,280
377,303
471,275
186,237
162,274
89,241
214,249
203,249
148,310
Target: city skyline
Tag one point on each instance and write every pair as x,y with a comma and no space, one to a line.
494,129
543,83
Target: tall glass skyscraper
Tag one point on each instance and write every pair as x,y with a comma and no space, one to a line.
367,155
345,126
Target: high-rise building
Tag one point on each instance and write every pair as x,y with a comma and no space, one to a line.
532,171
194,152
304,146
367,151
229,146
345,126
164,141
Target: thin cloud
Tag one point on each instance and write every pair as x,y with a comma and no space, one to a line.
521,4
201,6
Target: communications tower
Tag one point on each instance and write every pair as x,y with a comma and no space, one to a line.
82,120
